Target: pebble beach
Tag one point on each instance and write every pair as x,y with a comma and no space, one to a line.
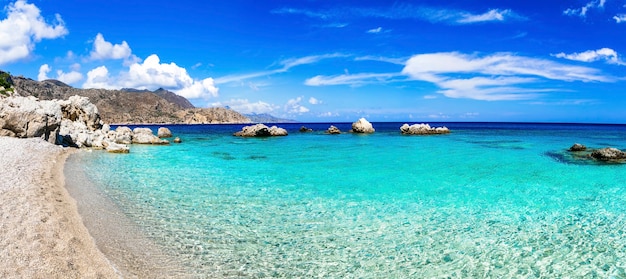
42,233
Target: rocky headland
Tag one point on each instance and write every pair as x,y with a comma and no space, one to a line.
125,106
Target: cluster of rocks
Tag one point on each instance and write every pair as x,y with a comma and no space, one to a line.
607,154
422,129
261,130
74,122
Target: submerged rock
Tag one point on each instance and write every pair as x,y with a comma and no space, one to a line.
261,130
422,129
333,130
362,126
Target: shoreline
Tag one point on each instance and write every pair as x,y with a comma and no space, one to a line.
115,235
43,233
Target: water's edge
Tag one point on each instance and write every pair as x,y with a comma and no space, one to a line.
117,237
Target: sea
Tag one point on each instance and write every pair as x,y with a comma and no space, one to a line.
488,200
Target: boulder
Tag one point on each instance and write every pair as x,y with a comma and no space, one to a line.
145,136
121,135
577,147
422,129
27,117
79,109
164,132
362,126
258,130
305,129
608,154
333,130
117,148
177,140
277,132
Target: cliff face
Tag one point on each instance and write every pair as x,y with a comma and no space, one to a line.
131,106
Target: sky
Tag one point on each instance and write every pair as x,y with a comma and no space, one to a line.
331,61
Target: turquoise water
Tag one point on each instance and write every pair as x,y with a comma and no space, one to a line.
487,200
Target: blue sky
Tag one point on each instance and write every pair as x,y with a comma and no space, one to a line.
325,61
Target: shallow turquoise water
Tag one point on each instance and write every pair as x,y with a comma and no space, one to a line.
488,200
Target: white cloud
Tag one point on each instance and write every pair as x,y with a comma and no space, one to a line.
244,106
607,54
620,18
350,79
103,50
70,77
493,77
152,74
99,78
328,114
314,101
375,30
294,106
582,11
43,72
491,15
23,27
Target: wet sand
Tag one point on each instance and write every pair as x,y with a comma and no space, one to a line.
42,233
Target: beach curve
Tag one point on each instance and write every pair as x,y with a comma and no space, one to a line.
43,235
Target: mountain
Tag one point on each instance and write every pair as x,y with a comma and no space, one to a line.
267,118
129,106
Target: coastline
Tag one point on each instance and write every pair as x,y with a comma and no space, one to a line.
115,235
43,234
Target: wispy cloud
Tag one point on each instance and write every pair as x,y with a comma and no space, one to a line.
286,65
606,54
351,79
582,11
408,11
494,77
375,30
620,18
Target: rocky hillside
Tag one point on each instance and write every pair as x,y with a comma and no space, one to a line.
129,105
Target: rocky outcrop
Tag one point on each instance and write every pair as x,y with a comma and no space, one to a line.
362,126
130,105
422,129
333,130
261,130
30,118
164,132
577,147
74,122
609,154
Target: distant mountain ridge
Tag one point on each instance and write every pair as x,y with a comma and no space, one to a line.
131,106
267,118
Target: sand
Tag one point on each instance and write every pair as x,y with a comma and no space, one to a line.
42,233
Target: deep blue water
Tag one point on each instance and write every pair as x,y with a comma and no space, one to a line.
498,200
